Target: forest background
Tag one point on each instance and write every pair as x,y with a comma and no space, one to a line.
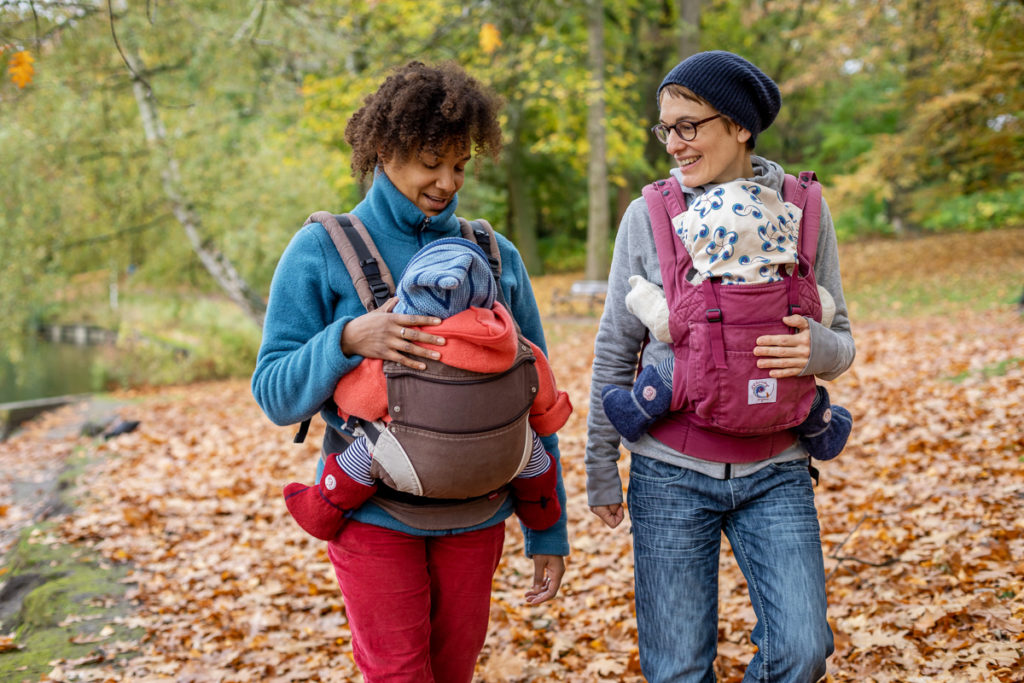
157,157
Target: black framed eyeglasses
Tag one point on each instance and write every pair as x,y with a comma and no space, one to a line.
686,130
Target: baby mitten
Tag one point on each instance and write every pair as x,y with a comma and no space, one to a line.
633,412
826,429
647,302
536,498
828,306
321,509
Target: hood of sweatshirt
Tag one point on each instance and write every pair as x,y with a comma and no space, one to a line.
477,339
766,172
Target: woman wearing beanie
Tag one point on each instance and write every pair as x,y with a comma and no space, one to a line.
685,492
417,599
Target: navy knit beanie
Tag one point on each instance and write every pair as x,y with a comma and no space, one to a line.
732,85
446,277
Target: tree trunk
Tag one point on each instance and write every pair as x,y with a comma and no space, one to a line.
215,262
522,209
689,33
597,170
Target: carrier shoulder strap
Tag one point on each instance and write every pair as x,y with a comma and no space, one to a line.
366,267
481,232
665,200
805,192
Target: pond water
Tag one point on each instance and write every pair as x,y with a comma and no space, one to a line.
51,369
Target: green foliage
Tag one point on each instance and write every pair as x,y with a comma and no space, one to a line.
179,339
912,113
562,253
976,211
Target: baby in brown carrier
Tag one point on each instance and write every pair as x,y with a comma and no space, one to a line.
451,279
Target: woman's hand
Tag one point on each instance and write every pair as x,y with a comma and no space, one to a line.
383,334
786,354
610,514
547,577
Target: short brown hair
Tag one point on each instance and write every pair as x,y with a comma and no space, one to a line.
676,90
423,107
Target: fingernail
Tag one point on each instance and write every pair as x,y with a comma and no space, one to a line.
435,355
439,340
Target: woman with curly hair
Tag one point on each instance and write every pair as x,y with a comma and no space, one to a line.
417,599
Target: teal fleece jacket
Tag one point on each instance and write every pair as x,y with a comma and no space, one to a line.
312,298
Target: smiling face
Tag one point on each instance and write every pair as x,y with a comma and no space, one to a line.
428,179
719,152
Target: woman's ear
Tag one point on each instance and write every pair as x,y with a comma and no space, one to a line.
742,134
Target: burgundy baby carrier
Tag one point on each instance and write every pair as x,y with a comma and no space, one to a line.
732,411
456,437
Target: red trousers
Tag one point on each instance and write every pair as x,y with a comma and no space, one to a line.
417,606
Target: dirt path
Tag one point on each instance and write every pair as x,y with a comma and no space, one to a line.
59,600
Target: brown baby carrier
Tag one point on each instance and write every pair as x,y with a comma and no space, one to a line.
455,438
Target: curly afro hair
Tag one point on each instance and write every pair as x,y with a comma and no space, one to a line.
423,107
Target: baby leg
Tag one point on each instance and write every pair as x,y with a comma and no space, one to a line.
633,412
321,510
535,492
826,429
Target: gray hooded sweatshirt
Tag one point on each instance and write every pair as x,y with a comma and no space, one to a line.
620,337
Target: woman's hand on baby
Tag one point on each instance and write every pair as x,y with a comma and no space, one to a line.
391,336
547,577
786,355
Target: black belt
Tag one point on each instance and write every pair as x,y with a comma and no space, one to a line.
385,491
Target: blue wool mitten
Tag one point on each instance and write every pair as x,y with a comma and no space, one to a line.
826,429
632,412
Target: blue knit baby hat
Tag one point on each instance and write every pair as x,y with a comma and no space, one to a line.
446,277
732,85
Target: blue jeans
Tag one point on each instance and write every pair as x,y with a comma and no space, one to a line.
678,517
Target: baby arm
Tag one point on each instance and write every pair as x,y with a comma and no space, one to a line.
647,302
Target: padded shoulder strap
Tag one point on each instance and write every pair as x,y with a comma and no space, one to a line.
664,201
481,232
366,267
805,192
369,273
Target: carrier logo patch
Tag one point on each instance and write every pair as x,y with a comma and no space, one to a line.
762,391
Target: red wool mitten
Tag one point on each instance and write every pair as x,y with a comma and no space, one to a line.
321,509
536,498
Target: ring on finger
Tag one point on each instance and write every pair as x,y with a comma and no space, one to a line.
402,333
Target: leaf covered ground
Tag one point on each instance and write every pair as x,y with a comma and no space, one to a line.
921,524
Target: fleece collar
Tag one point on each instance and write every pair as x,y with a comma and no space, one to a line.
392,214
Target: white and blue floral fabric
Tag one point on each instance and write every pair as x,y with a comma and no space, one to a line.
740,231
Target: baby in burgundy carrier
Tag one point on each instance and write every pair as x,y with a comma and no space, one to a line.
742,233
451,279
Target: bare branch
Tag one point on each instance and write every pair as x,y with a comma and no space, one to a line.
131,67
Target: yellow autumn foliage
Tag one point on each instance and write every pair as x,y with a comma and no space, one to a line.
490,38
20,68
